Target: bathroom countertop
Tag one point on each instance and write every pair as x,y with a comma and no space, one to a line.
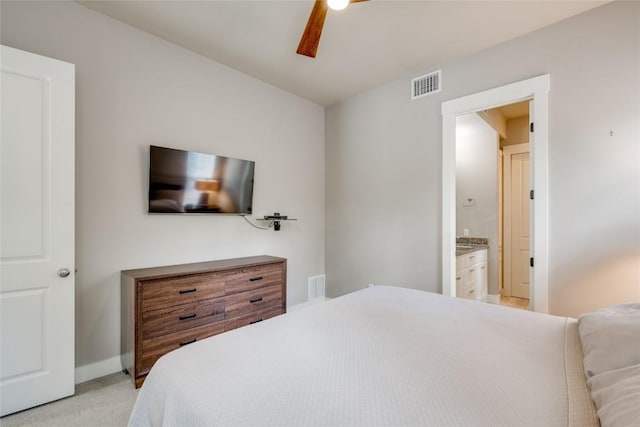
466,245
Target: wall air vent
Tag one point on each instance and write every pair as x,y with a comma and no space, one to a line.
426,85
316,287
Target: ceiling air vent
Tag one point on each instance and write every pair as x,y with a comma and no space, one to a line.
426,85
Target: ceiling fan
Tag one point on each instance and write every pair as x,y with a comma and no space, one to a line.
311,36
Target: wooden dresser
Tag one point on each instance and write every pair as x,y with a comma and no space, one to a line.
164,308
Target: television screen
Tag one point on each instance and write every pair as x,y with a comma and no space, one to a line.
189,182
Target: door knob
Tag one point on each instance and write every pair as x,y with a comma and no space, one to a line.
64,272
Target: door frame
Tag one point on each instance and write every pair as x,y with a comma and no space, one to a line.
536,90
509,150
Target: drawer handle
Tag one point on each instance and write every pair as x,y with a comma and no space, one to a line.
255,279
187,342
187,291
458,278
191,316
256,321
255,300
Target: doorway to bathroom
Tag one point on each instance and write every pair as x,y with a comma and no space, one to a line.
535,91
492,201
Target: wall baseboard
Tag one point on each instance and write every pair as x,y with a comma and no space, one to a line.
493,299
95,370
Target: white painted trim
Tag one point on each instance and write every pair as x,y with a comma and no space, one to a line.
493,299
537,90
98,369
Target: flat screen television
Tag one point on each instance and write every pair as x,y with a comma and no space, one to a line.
190,182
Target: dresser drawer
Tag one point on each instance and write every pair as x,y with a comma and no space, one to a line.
178,318
246,302
154,348
161,293
251,318
254,278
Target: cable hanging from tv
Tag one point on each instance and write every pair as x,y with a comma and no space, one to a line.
268,227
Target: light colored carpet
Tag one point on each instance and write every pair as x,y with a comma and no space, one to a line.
105,401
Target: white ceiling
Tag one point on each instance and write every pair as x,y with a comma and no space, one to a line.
363,46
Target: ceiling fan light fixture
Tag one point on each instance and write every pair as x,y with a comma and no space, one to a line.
310,39
337,4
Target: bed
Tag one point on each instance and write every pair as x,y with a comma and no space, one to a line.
378,356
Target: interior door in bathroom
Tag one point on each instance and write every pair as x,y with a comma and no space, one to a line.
516,274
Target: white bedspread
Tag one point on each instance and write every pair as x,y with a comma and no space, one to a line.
381,356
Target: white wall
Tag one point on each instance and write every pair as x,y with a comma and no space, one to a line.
383,164
477,178
134,90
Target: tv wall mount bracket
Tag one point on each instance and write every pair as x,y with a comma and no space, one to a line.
276,218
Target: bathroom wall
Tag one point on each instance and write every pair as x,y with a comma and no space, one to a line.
477,179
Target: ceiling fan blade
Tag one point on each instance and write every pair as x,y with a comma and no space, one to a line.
356,1
310,39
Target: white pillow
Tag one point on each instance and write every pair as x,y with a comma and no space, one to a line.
610,338
617,396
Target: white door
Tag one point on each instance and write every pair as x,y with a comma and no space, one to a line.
516,222
37,230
